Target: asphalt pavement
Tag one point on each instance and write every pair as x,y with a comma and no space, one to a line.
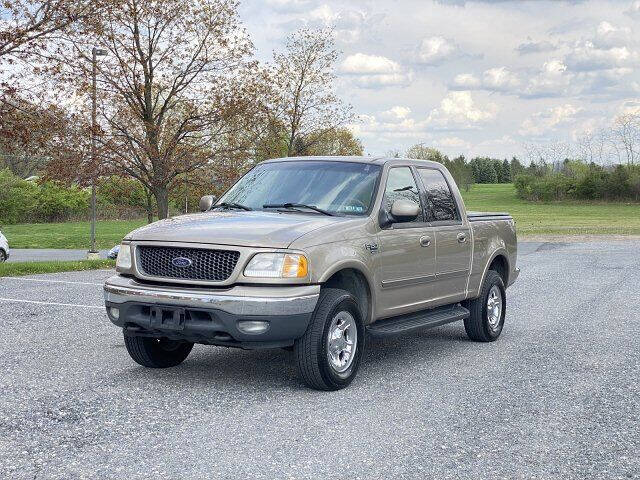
557,396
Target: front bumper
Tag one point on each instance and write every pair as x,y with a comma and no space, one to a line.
212,316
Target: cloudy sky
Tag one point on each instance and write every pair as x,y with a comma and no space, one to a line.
471,77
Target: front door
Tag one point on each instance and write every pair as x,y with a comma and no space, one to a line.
452,236
406,256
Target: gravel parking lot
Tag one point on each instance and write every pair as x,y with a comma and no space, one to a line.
557,396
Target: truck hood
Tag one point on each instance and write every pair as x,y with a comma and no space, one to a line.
247,229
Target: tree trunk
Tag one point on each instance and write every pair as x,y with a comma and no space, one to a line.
149,206
162,200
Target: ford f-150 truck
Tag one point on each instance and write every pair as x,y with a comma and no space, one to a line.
313,254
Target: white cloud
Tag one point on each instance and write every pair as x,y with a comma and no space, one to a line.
610,47
449,142
458,110
634,10
500,78
289,6
435,50
494,79
530,47
630,107
541,123
396,114
588,56
467,81
551,80
374,71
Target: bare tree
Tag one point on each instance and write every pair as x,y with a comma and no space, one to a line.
626,129
176,80
304,77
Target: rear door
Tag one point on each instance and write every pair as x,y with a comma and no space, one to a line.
406,256
452,236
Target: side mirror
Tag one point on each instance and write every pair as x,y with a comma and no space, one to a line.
404,210
206,202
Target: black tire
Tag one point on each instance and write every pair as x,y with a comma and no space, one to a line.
311,350
3,256
157,352
478,326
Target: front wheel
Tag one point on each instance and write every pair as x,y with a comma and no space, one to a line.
157,352
487,312
3,256
328,354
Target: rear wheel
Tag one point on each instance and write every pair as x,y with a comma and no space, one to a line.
3,256
329,353
487,312
157,352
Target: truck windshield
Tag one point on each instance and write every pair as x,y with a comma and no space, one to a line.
341,188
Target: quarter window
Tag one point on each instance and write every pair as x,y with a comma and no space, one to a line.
401,186
441,206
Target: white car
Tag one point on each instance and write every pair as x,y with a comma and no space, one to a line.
4,248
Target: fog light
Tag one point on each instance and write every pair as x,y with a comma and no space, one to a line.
252,326
115,312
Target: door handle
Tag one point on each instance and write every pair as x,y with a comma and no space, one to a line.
425,241
462,237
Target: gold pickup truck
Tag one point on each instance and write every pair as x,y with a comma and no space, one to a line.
313,254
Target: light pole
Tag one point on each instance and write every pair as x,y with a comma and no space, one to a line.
95,52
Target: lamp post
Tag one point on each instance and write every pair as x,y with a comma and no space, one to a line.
95,52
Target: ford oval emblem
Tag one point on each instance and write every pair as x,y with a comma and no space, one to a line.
181,262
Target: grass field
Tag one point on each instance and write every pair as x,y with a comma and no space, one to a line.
28,268
561,218
556,218
68,235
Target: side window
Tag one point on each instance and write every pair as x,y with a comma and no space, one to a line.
401,186
441,206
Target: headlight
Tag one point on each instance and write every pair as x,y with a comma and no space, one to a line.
124,257
277,265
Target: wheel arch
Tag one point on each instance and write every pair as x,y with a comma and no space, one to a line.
499,262
351,276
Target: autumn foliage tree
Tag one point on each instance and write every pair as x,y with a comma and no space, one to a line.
177,80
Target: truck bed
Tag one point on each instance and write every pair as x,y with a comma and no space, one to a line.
485,216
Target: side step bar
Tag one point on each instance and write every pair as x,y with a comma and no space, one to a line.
413,321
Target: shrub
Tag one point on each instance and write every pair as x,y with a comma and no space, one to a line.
581,181
23,201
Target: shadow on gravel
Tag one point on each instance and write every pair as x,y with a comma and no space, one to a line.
233,369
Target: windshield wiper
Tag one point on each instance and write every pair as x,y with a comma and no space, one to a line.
232,205
299,205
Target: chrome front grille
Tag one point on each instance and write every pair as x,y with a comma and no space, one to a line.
186,263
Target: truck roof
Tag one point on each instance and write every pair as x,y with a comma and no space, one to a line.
377,160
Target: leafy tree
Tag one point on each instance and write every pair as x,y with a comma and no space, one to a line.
515,168
421,152
340,141
484,170
458,167
305,102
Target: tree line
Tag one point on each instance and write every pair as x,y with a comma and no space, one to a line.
466,173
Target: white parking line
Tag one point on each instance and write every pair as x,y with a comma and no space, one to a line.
51,303
22,279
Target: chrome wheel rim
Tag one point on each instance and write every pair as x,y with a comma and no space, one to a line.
494,308
342,341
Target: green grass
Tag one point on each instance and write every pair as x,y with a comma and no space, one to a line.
556,218
69,234
28,268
